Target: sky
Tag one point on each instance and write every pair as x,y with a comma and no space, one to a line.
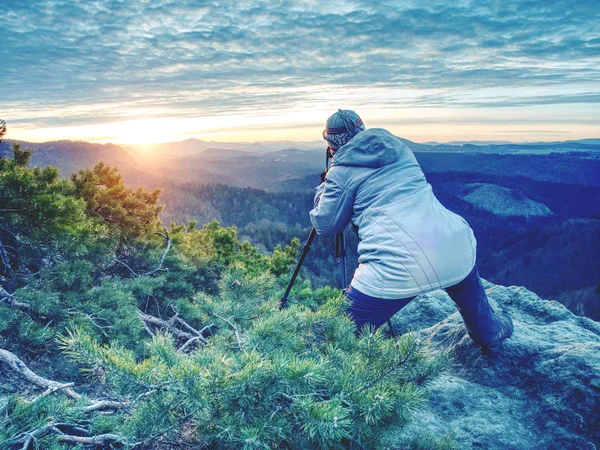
141,72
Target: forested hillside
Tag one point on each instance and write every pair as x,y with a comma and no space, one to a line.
506,192
119,332
255,167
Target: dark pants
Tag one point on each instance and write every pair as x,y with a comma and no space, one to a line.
468,295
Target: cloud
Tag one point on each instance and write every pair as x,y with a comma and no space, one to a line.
198,57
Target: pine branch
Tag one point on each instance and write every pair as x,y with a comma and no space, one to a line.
398,366
159,268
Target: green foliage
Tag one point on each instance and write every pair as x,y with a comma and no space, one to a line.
39,217
283,257
131,213
296,378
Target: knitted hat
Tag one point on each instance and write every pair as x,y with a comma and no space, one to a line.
341,127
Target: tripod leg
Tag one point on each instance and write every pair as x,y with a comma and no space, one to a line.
340,252
283,301
389,322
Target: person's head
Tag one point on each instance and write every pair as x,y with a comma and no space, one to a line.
341,127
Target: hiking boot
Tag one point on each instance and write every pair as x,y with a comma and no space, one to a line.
494,347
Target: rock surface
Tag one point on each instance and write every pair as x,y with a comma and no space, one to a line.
542,392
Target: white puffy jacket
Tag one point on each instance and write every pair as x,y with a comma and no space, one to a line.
408,242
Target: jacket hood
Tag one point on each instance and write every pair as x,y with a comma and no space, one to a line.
374,147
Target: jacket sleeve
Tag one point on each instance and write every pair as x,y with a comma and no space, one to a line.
333,207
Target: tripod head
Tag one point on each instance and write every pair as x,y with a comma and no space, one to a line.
328,155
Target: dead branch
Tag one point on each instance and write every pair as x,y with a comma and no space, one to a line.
164,255
236,332
208,330
13,301
176,319
204,332
20,367
135,274
52,390
190,342
159,268
104,405
190,334
159,323
54,386
99,440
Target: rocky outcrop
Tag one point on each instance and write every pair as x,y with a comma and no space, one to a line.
542,392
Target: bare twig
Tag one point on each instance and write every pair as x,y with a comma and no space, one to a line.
13,301
160,323
236,332
201,334
104,405
192,341
184,324
159,268
164,255
207,330
134,273
189,333
52,390
98,440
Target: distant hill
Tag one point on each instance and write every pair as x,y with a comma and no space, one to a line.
71,156
503,201
221,153
264,165
537,148
195,147
505,198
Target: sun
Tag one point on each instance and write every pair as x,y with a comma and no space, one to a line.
143,131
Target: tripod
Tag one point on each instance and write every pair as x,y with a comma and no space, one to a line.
340,252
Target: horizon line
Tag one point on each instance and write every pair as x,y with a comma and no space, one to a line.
275,141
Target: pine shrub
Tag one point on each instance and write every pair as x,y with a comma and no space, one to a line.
172,337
